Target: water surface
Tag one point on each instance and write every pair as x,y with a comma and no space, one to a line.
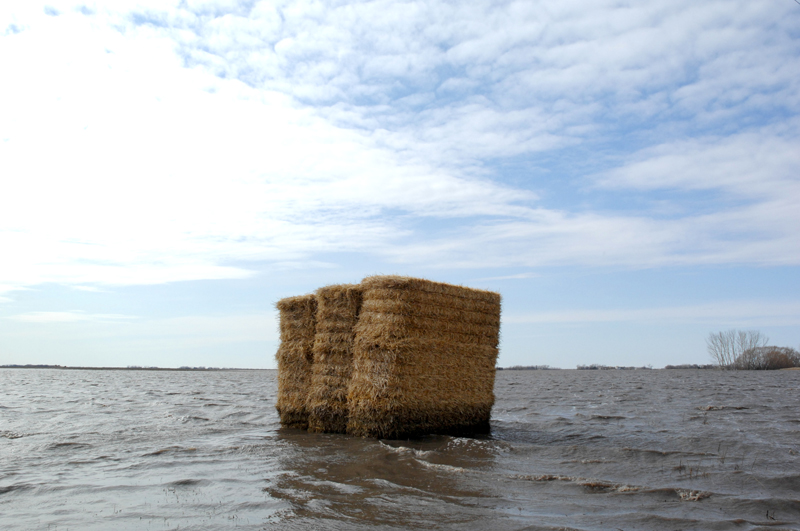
678,449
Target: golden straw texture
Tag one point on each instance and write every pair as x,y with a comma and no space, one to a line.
297,327
337,314
424,358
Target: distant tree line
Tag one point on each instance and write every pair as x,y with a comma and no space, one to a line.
596,367
692,366
748,350
528,368
128,368
30,366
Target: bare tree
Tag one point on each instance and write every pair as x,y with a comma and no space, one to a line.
720,348
749,360
731,349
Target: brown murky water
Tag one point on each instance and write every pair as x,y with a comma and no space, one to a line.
569,449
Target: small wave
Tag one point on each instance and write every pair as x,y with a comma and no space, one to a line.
788,481
666,452
68,445
13,488
599,486
681,494
692,495
12,434
190,418
405,450
587,462
436,466
172,449
469,444
342,488
593,485
189,483
608,417
721,408
237,414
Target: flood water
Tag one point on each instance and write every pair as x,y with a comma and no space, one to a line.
658,449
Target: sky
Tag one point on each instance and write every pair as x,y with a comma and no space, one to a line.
625,174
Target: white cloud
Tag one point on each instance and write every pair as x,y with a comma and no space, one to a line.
518,276
737,313
521,55
67,317
758,164
205,330
760,234
91,289
156,142
8,288
127,178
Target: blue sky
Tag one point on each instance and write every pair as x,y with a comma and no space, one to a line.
625,174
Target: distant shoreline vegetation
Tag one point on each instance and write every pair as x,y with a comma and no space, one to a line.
692,366
593,367
736,350
528,368
596,367
128,368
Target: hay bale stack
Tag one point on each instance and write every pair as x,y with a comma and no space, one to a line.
297,326
337,313
423,359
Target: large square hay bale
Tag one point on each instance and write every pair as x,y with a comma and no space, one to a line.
337,314
295,355
423,359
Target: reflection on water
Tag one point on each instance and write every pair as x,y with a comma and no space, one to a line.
568,449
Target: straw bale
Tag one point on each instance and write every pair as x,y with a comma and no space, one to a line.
337,313
388,325
423,299
424,359
404,285
427,309
297,333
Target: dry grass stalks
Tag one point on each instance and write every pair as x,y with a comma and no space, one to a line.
337,314
297,327
424,357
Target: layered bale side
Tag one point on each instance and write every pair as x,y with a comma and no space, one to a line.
337,313
423,359
295,356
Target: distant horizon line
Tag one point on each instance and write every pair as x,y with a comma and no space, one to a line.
186,368
128,368
202,368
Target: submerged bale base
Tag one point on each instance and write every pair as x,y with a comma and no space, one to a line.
374,422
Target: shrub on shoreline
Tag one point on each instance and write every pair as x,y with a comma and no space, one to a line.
768,358
692,366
